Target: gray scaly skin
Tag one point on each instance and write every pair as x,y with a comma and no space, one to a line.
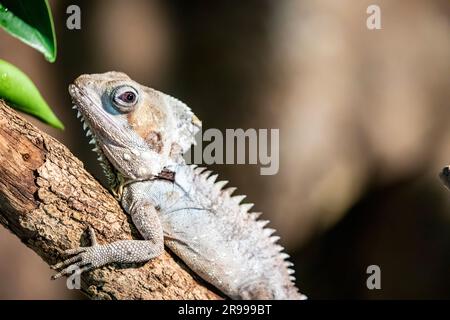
140,135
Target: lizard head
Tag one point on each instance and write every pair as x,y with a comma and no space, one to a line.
138,131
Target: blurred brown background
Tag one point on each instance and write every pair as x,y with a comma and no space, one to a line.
363,118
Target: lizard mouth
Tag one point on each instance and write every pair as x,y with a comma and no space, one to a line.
78,99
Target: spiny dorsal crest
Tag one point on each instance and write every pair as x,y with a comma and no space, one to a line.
242,210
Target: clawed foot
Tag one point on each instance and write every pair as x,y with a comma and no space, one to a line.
84,259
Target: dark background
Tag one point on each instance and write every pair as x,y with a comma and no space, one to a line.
363,118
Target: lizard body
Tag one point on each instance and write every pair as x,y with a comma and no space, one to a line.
140,135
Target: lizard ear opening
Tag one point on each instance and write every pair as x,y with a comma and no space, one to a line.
187,124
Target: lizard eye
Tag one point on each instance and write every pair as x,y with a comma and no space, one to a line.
125,98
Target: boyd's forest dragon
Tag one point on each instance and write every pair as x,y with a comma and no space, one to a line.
140,135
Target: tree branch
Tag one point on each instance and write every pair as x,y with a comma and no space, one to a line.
47,199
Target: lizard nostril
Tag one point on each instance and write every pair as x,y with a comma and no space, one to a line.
446,171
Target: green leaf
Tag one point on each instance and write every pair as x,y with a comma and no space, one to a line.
19,90
30,21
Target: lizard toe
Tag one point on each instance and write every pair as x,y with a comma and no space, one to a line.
77,267
70,252
67,262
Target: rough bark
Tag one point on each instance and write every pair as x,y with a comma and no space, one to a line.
47,199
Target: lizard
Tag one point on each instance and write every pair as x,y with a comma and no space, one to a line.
140,135
444,175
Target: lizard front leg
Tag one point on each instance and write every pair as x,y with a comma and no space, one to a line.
145,218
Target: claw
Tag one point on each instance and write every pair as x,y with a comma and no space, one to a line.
76,262
56,276
92,236
73,268
60,274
